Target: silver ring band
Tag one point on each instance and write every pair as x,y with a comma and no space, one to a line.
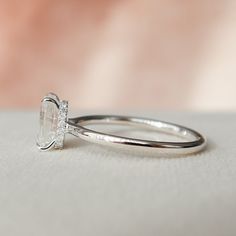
54,124
76,127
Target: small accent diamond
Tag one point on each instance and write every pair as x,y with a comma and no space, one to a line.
61,126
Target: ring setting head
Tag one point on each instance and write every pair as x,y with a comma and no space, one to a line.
53,122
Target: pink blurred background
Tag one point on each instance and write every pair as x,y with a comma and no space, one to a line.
141,54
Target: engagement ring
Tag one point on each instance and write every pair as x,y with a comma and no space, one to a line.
54,124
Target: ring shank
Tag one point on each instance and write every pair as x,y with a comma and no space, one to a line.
194,140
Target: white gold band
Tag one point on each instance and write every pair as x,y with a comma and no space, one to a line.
76,126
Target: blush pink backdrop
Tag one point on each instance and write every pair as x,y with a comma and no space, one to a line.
119,54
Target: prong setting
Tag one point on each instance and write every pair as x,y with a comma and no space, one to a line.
46,148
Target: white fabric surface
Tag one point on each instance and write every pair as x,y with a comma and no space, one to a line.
88,190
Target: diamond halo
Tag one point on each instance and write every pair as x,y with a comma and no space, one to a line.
61,125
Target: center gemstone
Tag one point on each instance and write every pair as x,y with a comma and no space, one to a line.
48,123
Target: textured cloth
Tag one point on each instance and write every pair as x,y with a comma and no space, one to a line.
86,189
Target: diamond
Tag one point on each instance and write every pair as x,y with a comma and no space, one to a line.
48,123
53,117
